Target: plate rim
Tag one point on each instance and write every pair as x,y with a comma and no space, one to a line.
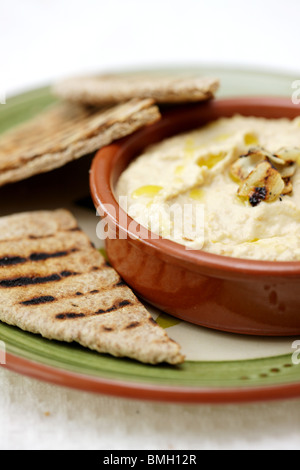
140,390
146,392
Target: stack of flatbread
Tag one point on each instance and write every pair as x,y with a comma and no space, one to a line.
113,89
66,132
92,113
52,280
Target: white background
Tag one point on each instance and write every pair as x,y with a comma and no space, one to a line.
43,40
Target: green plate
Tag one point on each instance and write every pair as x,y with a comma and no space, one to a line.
219,367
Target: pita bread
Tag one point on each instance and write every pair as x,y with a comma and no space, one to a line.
55,283
108,89
65,132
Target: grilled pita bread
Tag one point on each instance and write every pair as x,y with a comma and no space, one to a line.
65,132
109,89
55,283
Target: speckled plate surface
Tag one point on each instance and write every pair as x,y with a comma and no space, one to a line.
219,368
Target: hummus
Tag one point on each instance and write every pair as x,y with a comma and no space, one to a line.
194,170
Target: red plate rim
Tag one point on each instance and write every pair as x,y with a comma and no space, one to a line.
145,392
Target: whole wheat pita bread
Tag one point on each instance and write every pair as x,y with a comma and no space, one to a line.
108,89
55,283
65,132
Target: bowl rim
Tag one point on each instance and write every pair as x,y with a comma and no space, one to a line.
102,192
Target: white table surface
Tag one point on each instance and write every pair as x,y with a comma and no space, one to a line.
44,41
35,415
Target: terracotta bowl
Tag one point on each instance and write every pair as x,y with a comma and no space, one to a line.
228,294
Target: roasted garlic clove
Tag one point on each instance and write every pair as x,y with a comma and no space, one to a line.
264,183
245,165
264,176
289,154
267,155
286,171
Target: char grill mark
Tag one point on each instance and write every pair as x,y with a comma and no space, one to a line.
116,306
48,298
39,300
45,256
11,260
124,303
28,281
34,257
69,315
31,281
111,309
67,274
134,324
258,195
